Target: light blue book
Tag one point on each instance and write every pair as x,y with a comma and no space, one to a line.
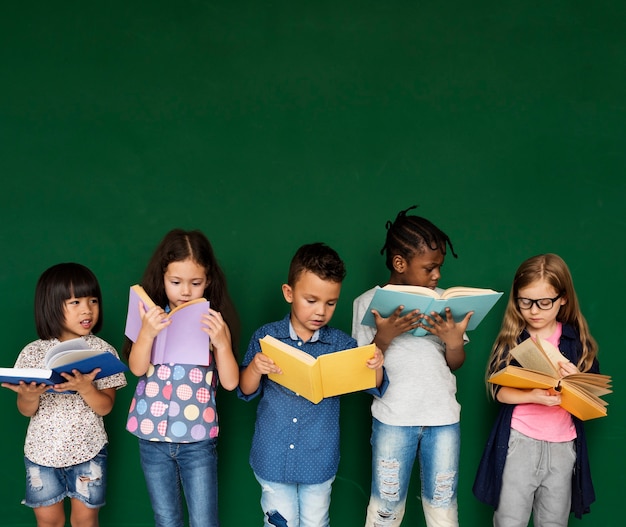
461,300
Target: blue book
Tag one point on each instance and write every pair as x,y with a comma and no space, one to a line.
74,354
461,300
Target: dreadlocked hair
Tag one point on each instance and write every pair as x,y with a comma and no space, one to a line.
410,235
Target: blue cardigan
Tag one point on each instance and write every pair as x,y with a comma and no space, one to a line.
488,482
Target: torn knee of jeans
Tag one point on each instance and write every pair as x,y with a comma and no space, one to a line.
83,481
389,479
34,478
444,489
276,518
384,517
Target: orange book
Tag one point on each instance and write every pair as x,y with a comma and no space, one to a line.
580,392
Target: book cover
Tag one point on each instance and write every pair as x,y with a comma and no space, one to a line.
183,341
28,375
580,392
329,375
460,300
74,354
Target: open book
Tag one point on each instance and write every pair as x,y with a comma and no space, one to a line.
461,300
580,392
183,341
326,376
74,354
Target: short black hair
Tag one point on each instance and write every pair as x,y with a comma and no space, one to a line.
409,235
319,259
54,287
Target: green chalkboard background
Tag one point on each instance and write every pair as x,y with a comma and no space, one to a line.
273,124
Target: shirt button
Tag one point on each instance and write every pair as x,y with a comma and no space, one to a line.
291,447
299,343
295,420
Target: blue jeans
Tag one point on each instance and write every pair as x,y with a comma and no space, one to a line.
192,467
394,449
86,482
295,504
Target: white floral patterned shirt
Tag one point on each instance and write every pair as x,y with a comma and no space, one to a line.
65,431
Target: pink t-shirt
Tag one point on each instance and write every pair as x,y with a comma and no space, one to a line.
544,423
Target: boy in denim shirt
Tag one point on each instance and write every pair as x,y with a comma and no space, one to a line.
295,448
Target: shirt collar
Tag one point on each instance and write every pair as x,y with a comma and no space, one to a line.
294,336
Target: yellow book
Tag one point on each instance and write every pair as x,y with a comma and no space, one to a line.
580,392
326,376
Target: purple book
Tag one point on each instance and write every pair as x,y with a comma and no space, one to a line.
183,341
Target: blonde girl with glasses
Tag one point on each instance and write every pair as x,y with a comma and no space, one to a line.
535,462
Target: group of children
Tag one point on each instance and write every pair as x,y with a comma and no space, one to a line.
535,461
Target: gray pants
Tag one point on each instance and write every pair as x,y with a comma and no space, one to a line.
537,478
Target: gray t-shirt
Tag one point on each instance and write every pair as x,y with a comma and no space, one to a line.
422,389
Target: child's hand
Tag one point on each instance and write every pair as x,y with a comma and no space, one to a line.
377,360
395,324
567,368
548,397
262,365
82,383
32,389
446,329
213,325
153,321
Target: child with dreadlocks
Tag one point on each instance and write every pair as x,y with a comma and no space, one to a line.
418,415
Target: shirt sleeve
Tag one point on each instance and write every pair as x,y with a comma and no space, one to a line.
363,334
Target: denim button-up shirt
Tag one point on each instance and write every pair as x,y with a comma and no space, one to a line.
295,441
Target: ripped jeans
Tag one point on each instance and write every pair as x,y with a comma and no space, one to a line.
394,449
86,482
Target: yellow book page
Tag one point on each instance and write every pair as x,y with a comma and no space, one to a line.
346,371
300,371
148,302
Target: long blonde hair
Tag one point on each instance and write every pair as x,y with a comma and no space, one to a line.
552,269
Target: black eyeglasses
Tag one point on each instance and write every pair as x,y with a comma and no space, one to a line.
541,303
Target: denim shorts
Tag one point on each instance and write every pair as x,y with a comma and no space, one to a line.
49,485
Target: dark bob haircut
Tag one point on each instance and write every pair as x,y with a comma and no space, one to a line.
54,287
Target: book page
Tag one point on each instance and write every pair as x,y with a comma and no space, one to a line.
346,371
453,292
581,403
300,371
70,356
28,375
415,289
532,357
551,351
187,304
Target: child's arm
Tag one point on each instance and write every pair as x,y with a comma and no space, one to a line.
508,395
451,333
250,377
152,322
27,396
221,342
